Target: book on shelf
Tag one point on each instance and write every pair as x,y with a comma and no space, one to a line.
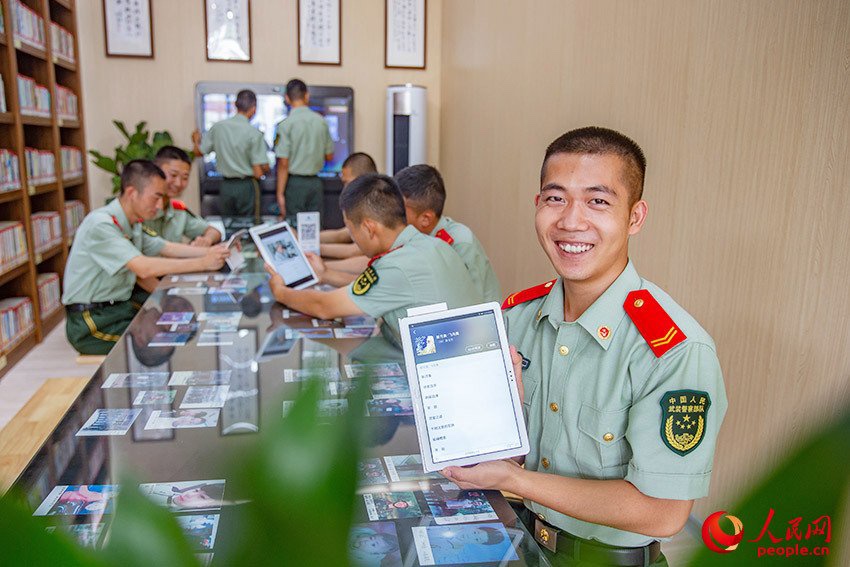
13,245
66,103
28,25
3,107
46,230
48,293
75,212
16,317
34,98
41,166
72,162
61,42
10,171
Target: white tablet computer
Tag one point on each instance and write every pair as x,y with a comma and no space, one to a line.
279,248
465,398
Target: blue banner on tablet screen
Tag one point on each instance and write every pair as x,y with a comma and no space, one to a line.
283,252
462,335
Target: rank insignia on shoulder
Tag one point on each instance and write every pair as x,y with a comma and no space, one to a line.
684,415
149,231
364,281
178,205
652,322
528,294
445,236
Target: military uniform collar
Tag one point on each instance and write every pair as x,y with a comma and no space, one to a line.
442,224
115,209
602,319
295,109
405,236
241,117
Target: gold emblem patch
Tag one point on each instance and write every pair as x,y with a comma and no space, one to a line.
149,231
683,419
365,281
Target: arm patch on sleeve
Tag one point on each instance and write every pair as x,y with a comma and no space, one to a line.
364,281
684,415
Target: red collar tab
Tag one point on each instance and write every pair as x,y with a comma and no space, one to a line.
381,255
118,224
528,294
445,236
652,322
178,205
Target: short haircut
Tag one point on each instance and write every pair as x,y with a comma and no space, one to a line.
596,140
360,164
138,173
170,153
422,185
296,89
245,100
376,197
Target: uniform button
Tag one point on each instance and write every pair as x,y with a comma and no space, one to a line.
553,406
564,350
545,462
542,517
638,303
608,437
539,314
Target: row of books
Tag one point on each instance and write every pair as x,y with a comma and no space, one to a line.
28,25
41,166
13,245
16,317
61,42
34,98
10,171
3,107
72,162
46,230
66,103
49,295
75,212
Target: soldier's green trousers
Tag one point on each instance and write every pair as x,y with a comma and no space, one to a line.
303,194
239,198
95,331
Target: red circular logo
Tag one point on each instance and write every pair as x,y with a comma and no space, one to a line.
718,540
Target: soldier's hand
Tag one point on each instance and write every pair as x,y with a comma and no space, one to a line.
196,137
276,283
516,359
281,202
215,256
317,263
493,475
202,241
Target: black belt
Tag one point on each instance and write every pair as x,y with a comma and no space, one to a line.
303,176
237,178
580,549
80,307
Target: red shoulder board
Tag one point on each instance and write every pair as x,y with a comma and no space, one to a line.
653,323
178,205
528,294
118,224
374,259
445,236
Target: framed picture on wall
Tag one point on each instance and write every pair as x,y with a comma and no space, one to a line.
228,30
128,28
404,34
319,32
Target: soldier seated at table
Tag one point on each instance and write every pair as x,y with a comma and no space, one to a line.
175,221
407,268
112,250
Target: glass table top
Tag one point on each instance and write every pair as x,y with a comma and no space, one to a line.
249,355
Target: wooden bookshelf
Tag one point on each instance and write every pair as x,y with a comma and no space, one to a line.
19,131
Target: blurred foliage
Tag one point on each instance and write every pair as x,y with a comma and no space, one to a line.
812,482
295,487
137,147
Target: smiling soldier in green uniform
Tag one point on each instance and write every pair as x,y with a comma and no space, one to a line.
407,269
175,221
623,391
302,145
111,250
240,157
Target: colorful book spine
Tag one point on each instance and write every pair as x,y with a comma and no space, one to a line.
10,171
66,103
46,230
13,245
62,42
34,98
72,162
75,212
28,25
16,320
48,293
3,107
41,166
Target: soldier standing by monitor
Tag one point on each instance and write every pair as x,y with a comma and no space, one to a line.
240,157
302,145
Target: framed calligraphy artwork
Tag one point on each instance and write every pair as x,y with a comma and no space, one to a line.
404,31
128,28
319,32
228,30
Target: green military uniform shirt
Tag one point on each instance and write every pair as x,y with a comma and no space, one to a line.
303,138
418,270
176,221
464,242
96,269
597,399
237,145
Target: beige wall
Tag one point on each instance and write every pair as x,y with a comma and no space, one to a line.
741,108
161,90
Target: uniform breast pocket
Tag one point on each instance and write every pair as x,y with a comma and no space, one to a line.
602,450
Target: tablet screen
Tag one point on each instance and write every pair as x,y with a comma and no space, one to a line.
280,246
464,386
